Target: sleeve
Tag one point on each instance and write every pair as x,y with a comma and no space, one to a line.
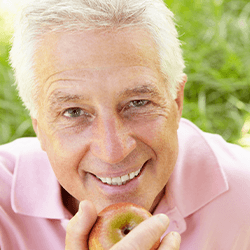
7,165
5,197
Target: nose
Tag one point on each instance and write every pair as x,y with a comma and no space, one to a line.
111,141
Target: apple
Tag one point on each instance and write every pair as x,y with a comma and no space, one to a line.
114,223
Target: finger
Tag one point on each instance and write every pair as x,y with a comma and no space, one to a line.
145,235
80,226
171,241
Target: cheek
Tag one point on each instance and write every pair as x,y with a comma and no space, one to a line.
160,135
66,143
65,153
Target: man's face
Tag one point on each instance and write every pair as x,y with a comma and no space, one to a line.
105,112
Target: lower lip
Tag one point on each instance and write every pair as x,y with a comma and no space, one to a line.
116,189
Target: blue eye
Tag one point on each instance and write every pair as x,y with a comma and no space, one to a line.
73,112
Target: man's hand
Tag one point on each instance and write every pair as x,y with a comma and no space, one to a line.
143,237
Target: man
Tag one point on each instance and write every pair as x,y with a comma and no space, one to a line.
104,84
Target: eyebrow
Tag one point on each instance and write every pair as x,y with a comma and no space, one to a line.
59,97
62,97
143,89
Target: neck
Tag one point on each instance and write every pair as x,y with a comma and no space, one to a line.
157,201
71,203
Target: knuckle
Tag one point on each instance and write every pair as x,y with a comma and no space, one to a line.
127,245
72,228
176,240
152,235
162,222
171,241
174,245
69,227
156,228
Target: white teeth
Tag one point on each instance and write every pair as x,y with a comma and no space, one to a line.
119,180
132,175
125,178
109,180
116,181
102,179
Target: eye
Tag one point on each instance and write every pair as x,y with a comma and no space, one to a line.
74,112
138,103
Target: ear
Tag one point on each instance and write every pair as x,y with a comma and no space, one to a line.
35,125
38,132
180,96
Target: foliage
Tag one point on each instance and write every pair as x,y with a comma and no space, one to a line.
215,35
216,46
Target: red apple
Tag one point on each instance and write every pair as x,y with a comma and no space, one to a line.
115,222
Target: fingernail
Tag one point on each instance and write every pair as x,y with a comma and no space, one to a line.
80,208
176,235
163,218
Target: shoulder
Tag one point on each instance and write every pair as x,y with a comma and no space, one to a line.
228,155
10,152
10,156
224,219
233,160
9,160
212,150
211,162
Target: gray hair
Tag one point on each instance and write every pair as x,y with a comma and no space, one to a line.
42,16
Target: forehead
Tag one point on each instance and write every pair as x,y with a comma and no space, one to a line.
92,48
101,54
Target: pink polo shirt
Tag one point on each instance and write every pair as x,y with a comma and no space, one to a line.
207,197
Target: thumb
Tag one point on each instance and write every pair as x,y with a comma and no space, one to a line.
79,227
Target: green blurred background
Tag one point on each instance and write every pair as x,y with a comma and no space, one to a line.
216,45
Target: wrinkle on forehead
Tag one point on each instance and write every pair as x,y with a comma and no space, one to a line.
130,44
59,96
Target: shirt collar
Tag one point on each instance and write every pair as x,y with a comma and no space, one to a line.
197,179
35,189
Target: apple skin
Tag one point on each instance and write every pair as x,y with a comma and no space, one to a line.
114,223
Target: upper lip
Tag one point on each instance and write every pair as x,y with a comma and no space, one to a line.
111,174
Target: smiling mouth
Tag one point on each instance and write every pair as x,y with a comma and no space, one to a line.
121,180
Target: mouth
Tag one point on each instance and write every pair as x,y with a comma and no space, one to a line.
121,180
